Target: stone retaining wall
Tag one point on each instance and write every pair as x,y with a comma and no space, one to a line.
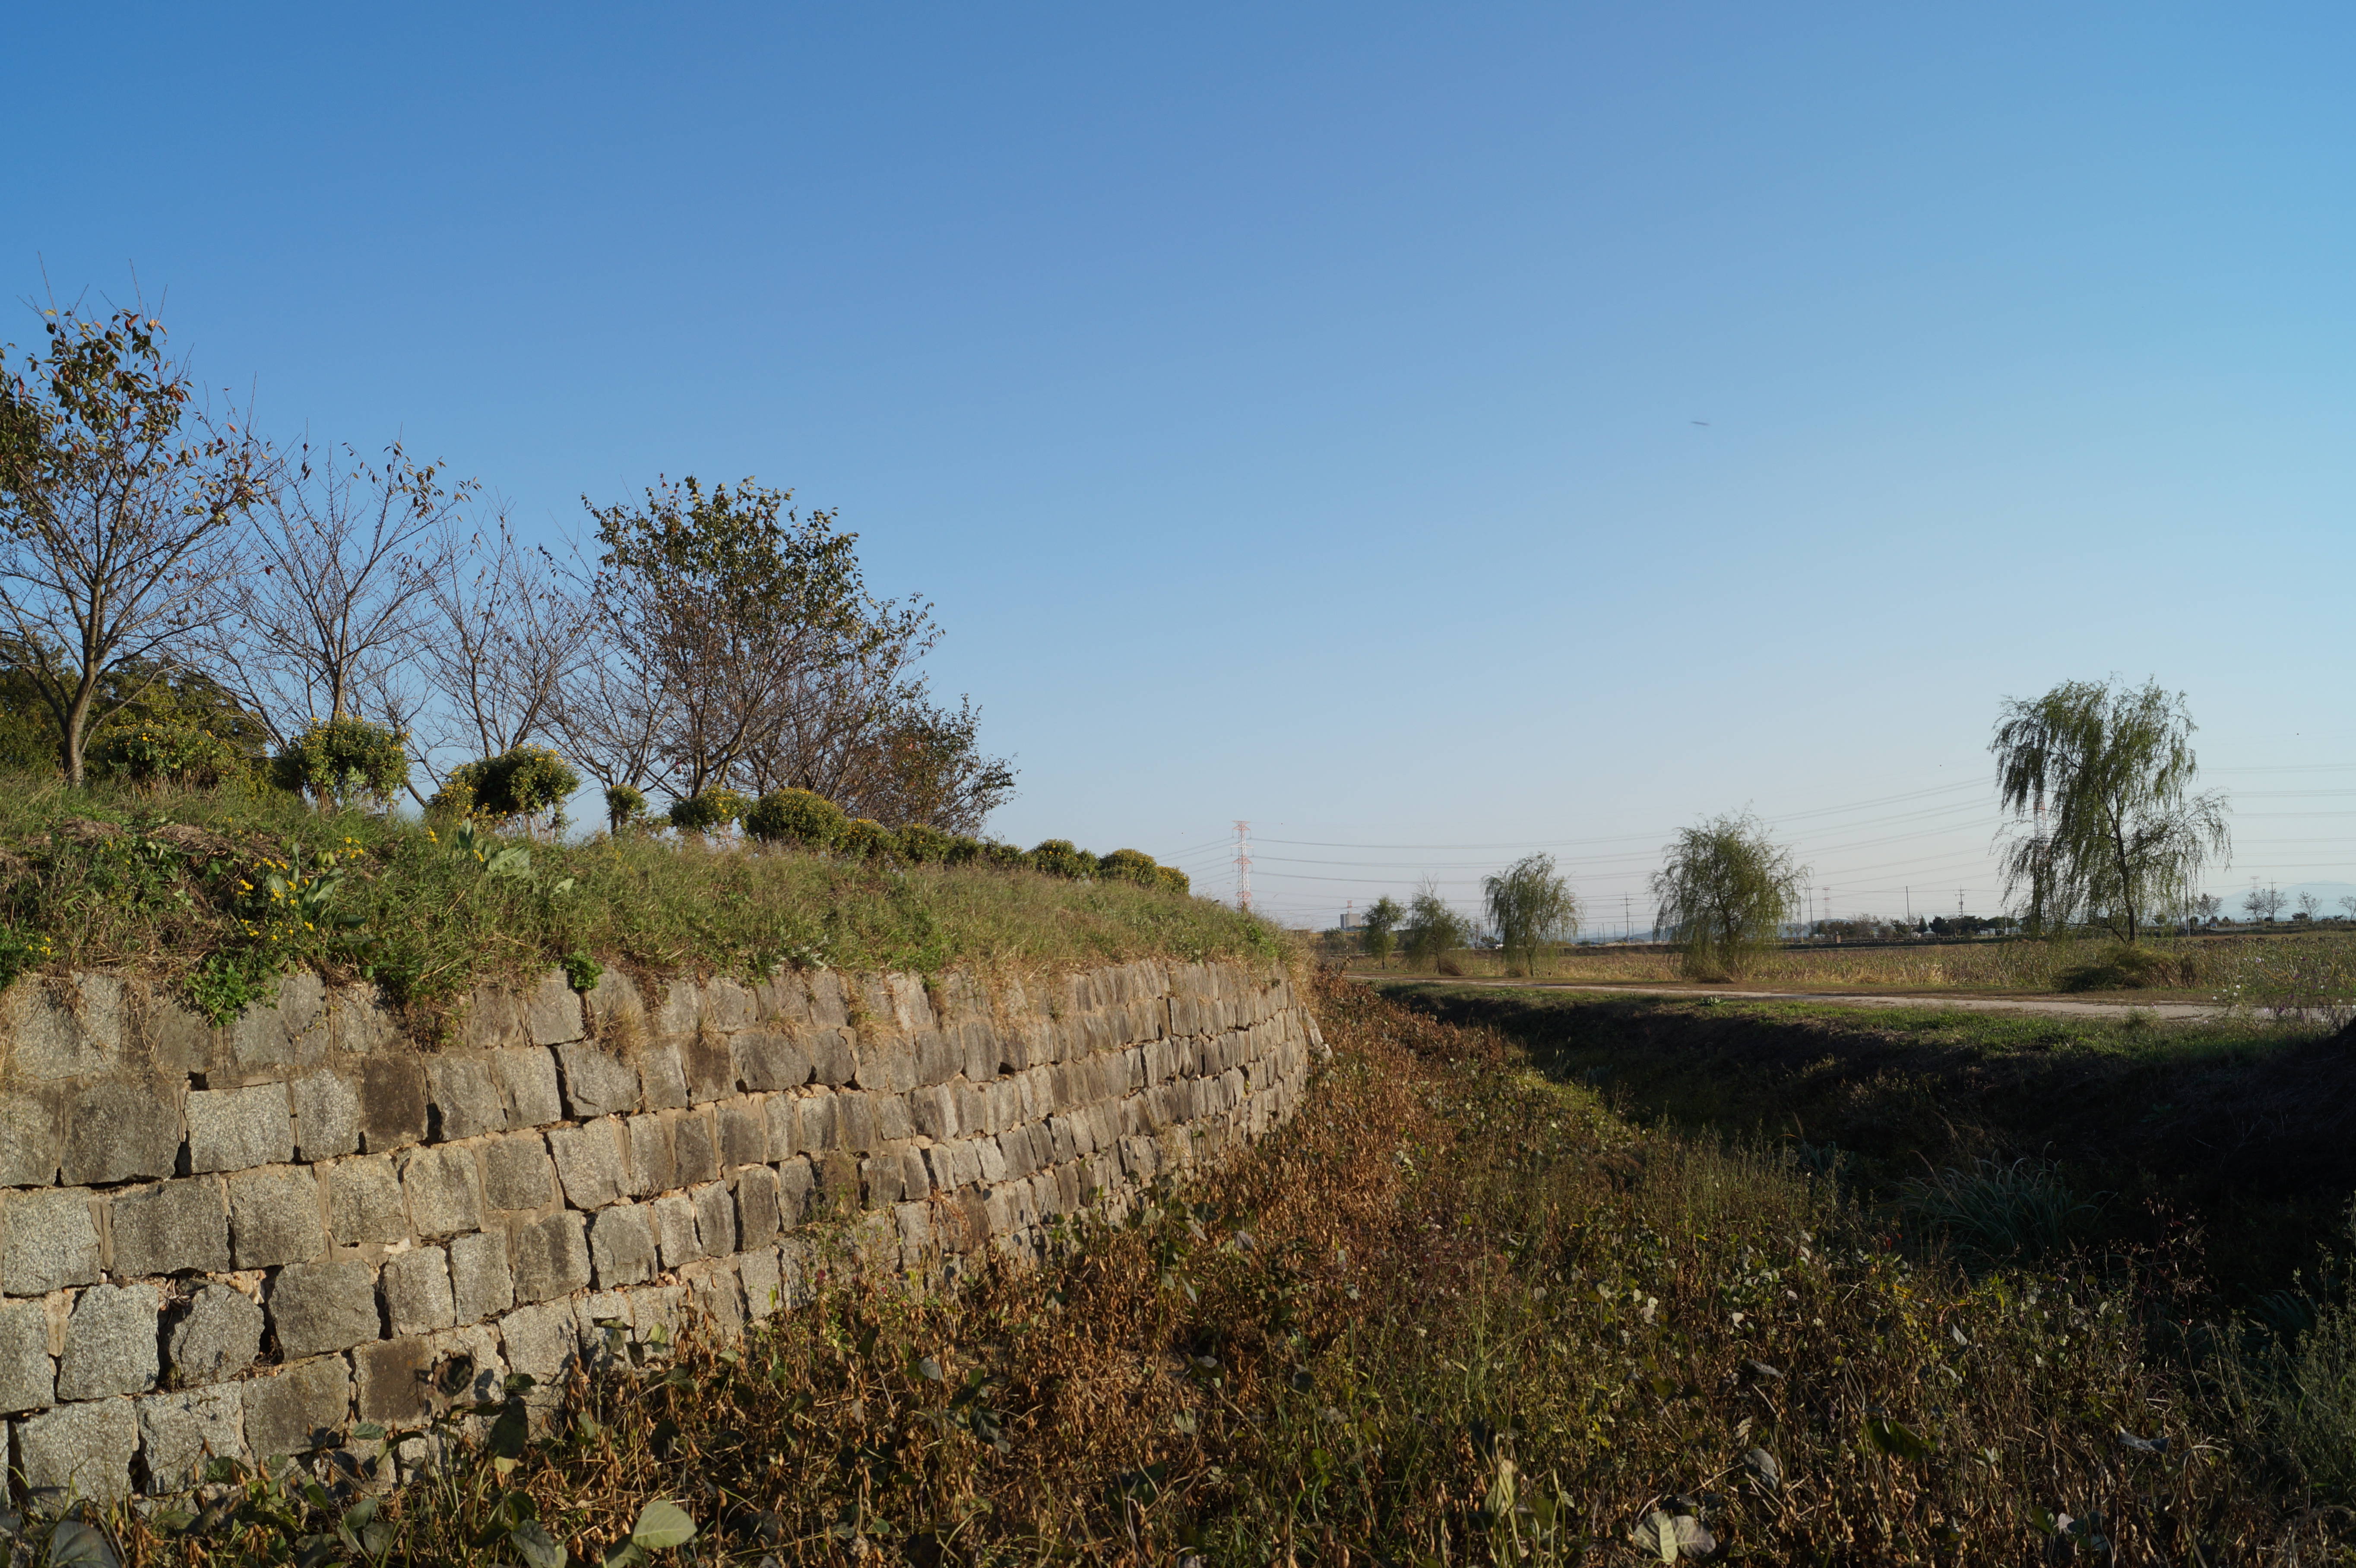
240,1242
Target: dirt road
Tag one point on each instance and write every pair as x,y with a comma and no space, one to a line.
2050,1007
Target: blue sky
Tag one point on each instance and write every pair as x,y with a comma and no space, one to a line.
1292,411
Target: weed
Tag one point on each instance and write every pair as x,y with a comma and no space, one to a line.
1995,1212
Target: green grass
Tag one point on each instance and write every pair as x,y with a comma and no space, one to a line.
1457,1312
218,894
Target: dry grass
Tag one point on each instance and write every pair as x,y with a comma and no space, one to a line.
1455,1313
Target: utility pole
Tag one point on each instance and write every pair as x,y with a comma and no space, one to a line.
1910,906
1628,919
1243,865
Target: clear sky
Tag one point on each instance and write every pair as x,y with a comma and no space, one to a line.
1425,432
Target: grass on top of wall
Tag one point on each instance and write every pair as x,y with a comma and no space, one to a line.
221,892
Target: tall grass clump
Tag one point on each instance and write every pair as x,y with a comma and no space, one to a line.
1998,1211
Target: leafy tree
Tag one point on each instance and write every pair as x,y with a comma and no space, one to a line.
1529,903
340,762
1724,892
523,781
117,498
623,805
1433,929
706,809
1381,926
2107,772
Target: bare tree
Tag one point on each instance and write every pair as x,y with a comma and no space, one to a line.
2263,903
116,499
511,628
330,615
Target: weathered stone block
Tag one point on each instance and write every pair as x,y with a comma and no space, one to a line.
274,1217
653,1166
32,1138
392,1381
711,1066
717,1294
757,1217
854,1123
662,1081
110,1342
769,1059
882,1180
550,1257
317,1308
214,1336
28,1378
616,1007
715,1219
392,1103
237,1129
814,1122
495,1018
622,1246
763,1285
59,1030
178,1227
527,1077
445,1194
79,1451
52,1242
416,1285
934,1111
465,1096
694,1139
589,1162
555,1010
181,1432
886,1062
122,1132
597,1080
744,1133
979,1048
302,1407
893,1123
834,1055
783,1112
365,1202
542,1342
674,1217
517,1173
327,1115
939,1058
481,1284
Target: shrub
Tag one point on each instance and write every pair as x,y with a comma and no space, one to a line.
796,816
625,804
526,781
1996,1212
1062,858
923,846
863,838
339,761
1004,856
1128,866
455,799
186,756
1170,879
2122,966
701,813
962,850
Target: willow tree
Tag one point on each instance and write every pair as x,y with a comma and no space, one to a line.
2107,829
1724,892
1529,904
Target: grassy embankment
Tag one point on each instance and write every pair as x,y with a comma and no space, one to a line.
2193,969
218,893
1458,1312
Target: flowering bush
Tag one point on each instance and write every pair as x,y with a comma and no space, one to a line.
796,816
338,762
702,813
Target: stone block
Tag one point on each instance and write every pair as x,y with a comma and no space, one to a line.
466,1097
28,1378
934,1111
814,1122
274,1217
51,1242
317,1308
32,1138
744,1133
468,1366
589,1162
718,1295
882,1180
893,1123
365,1202
327,1115
122,1132
110,1342
550,1258
784,1112
616,1007
81,1452
55,1031
445,1194
854,1125
757,1217
662,1081
764,1283
528,1078
555,1010
979,1049
237,1129
711,1066
597,1080
680,1010
695,1142
834,1056
715,1219
542,1342
392,1381
674,1217
178,1227
495,1018
181,1432
622,1246
212,1337
481,1284
887,1062
653,1166
939,1057
392,1103
301,1407
517,1173
416,1285
769,1059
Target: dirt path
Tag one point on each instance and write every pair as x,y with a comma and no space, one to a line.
2048,1007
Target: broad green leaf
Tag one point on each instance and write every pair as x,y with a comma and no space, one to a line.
662,1525
73,1544
536,1546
